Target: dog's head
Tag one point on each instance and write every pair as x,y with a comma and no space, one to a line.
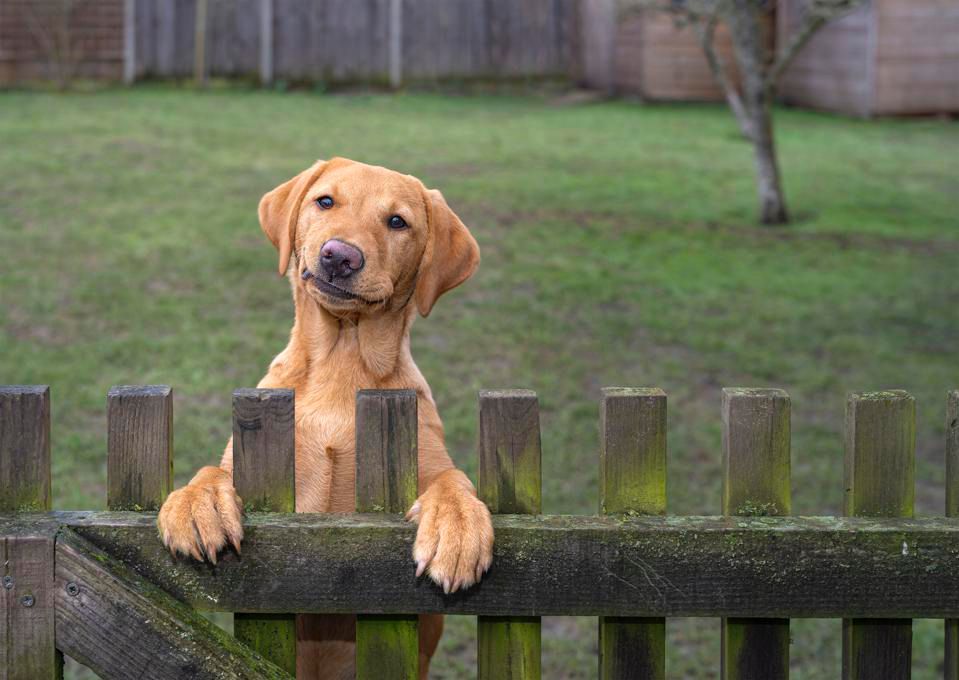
365,238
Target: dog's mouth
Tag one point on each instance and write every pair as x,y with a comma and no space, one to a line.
330,289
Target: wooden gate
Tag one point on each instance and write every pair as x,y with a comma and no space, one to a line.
100,587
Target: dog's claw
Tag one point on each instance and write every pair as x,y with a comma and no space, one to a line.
420,568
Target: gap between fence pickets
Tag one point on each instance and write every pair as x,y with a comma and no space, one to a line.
562,565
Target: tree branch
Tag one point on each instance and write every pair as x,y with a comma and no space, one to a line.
706,28
817,14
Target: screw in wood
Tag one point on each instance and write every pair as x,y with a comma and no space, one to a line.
8,582
73,589
27,600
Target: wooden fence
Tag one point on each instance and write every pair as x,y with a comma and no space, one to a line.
356,40
100,587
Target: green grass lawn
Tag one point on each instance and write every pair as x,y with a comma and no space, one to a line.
619,248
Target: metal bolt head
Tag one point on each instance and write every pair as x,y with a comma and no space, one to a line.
27,600
73,589
8,582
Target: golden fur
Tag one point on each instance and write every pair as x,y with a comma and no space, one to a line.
338,346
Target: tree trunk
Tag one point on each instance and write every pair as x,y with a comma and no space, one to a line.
749,45
772,202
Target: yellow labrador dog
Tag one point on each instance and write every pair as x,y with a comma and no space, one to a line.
364,248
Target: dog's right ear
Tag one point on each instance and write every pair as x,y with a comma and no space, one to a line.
280,211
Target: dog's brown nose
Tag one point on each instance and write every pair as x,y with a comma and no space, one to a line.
340,260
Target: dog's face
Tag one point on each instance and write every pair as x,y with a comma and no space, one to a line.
364,238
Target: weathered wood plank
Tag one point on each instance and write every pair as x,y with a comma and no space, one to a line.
756,481
768,567
264,452
139,447
122,626
263,475
24,448
27,644
951,665
632,479
510,481
880,461
387,647
386,465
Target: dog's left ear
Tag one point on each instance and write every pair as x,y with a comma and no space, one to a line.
280,211
451,256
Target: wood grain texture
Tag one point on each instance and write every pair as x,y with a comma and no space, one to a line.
122,626
767,567
387,647
263,475
264,454
386,445
24,448
951,665
880,462
510,481
27,640
632,479
27,644
139,447
756,481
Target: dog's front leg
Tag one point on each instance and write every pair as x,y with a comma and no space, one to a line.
454,540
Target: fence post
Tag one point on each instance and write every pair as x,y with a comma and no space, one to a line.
952,510
880,464
266,42
632,478
387,647
396,43
756,475
27,635
139,447
509,483
264,477
129,42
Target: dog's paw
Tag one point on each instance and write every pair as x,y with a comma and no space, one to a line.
454,541
200,518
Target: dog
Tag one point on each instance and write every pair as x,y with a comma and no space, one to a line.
364,249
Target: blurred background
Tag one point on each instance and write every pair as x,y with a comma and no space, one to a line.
660,201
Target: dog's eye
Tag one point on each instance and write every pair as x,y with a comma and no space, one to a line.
396,222
325,202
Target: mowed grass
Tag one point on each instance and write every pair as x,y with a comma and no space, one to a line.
619,248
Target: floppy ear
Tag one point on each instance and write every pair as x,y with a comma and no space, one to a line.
451,255
280,209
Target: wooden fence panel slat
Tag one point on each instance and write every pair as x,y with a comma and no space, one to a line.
139,447
122,625
510,481
880,462
756,481
24,448
952,510
632,479
387,647
264,454
27,643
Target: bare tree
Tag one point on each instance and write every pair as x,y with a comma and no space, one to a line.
760,66
51,24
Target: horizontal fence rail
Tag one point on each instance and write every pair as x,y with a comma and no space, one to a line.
560,565
101,587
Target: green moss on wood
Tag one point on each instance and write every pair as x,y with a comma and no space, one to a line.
272,635
387,648
509,648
